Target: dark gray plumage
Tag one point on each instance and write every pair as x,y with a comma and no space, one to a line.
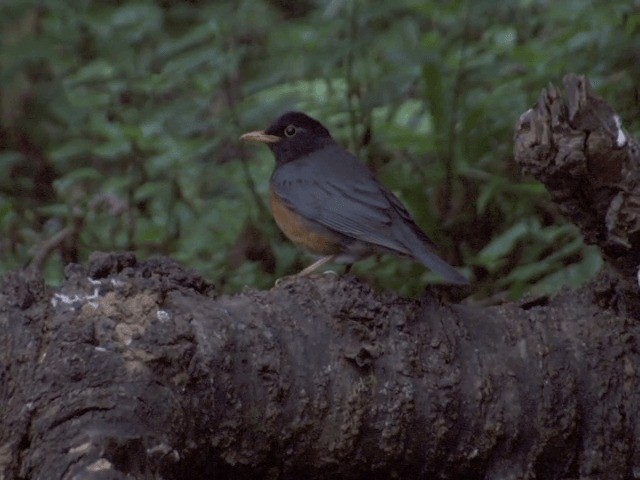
323,183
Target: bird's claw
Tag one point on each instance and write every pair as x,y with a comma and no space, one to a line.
281,280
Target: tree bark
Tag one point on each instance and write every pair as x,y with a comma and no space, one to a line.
578,149
138,370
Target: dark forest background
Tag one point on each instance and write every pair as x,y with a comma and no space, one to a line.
119,126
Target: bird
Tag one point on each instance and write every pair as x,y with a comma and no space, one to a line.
329,203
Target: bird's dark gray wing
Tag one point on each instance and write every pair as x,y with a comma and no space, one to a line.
332,187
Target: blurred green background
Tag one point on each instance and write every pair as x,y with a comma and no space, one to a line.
120,122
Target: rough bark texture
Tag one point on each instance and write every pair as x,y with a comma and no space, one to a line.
137,370
578,149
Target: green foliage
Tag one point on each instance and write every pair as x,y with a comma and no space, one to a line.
120,121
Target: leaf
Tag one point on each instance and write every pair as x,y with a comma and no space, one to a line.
97,71
151,190
503,243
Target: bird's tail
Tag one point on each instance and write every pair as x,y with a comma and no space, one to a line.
419,245
435,263
422,250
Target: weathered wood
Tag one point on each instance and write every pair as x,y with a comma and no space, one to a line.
140,372
576,146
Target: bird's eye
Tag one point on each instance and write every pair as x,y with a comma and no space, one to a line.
290,131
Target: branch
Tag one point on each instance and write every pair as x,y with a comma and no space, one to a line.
134,369
579,150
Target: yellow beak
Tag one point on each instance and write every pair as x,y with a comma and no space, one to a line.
260,136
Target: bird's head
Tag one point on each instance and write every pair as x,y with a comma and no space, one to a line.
292,136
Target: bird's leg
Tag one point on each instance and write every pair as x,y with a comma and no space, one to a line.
310,269
315,265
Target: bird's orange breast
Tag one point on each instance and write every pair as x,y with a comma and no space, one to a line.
303,232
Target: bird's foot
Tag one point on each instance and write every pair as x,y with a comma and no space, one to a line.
330,273
281,280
